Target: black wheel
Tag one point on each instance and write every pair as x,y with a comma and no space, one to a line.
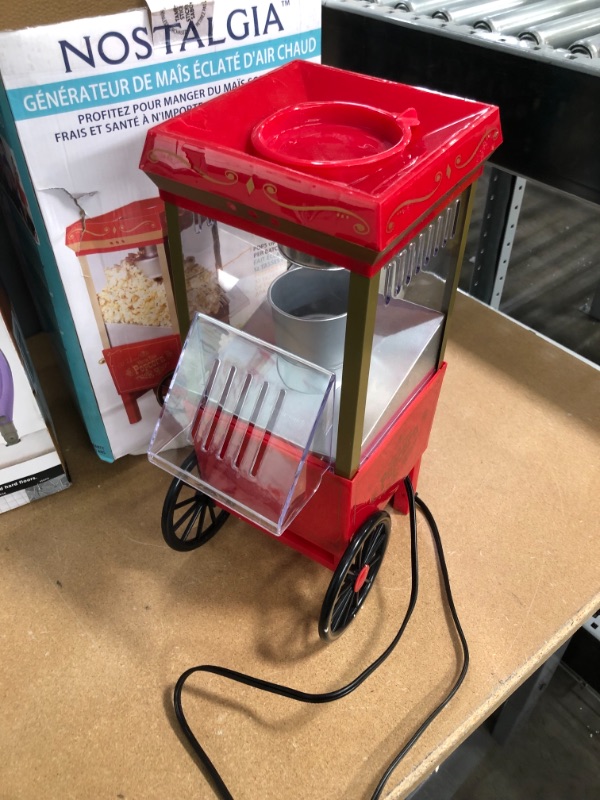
354,576
160,391
189,517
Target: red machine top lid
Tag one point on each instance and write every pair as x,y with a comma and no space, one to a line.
134,225
342,166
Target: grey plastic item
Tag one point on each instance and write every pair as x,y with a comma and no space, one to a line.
590,47
517,20
428,6
470,12
563,32
309,308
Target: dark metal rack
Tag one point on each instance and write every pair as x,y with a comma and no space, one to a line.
548,100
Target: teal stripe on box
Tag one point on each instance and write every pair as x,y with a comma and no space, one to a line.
126,86
56,313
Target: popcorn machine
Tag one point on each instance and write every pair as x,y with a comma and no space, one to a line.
306,421
129,289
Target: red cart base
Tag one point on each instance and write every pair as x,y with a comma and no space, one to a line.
327,523
344,525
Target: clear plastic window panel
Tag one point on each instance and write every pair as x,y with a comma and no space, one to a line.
412,308
227,272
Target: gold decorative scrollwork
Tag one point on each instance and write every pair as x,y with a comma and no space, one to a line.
231,177
361,227
154,155
491,134
111,231
117,230
413,201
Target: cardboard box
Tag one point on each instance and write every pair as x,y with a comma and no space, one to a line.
30,464
78,94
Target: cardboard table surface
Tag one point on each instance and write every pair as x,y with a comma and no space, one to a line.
55,11
98,617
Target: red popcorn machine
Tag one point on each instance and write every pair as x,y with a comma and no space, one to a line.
306,420
123,263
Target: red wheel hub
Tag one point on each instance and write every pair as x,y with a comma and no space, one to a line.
361,578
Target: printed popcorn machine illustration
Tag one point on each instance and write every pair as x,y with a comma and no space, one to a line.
307,420
122,256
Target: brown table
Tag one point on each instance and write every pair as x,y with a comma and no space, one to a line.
98,617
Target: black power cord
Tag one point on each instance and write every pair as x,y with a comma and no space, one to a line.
337,694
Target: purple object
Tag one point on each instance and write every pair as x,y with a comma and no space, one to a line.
7,397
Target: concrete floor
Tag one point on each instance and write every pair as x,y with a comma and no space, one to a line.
554,270
554,754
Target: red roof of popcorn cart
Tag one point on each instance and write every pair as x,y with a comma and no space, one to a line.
138,223
342,166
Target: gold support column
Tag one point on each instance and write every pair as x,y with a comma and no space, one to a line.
362,305
176,268
464,219
90,286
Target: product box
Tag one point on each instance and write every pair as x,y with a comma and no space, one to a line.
30,465
81,85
